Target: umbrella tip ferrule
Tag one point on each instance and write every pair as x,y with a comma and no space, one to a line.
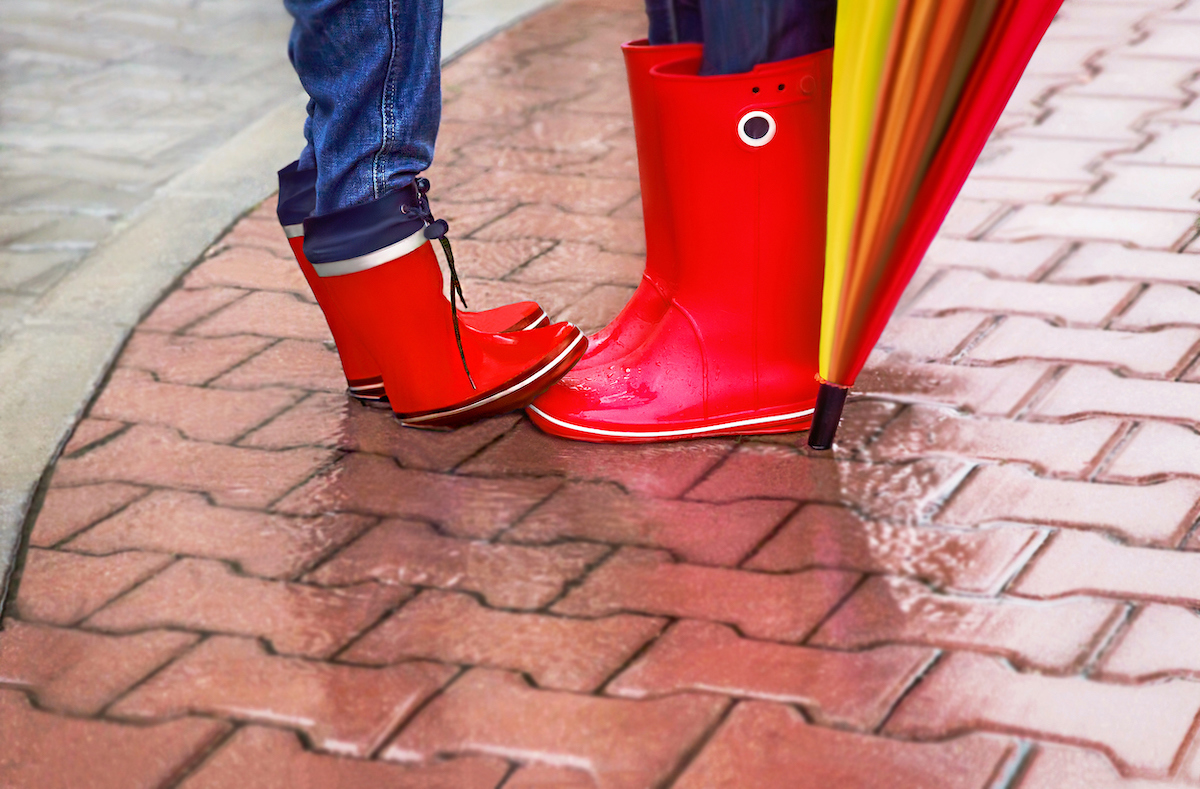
831,399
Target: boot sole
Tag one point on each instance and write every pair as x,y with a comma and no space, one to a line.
370,390
512,396
775,423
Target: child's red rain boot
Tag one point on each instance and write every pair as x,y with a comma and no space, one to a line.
437,371
363,380
735,351
649,301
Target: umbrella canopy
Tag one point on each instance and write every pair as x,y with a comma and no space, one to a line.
918,86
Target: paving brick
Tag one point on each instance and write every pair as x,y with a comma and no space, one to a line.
1156,514
348,710
1124,77
330,420
822,536
261,232
498,258
1043,159
1162,305
771,607
1020,191
269,315
622,743
771,746
88,432
1113,261
1063,767
250,268
663,470
275,546
968,218
508,576
1076,563
901,492
183,359
567,131
930,339
595,310
1021,260
1144,186
582,262
297,619
101,755
299,364
1159,353
1087,390
975,692
1157,450
546,222
552,296
1159,641
1056,637
272,759
217,415
1080,305
1148,229
721,534
182,308
67,511
1062,449
1103,118
77,672
558,653
987,391
596,196
835,688
1173,144
63,588
862,420
544,776
159,456
462,506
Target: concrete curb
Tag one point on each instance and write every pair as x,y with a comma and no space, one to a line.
56,360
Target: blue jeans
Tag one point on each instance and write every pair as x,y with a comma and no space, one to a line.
372,71
740,34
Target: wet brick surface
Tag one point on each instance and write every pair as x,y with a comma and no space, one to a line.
239,578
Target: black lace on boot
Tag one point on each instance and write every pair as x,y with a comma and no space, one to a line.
437,228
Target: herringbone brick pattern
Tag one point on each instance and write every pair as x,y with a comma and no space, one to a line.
239,578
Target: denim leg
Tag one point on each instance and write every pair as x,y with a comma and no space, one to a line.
372,70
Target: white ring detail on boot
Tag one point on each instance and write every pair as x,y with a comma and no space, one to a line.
761,141
294,231
687,431
492,398
370,260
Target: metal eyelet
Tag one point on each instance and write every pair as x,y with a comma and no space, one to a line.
756,128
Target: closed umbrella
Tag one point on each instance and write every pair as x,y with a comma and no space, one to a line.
918,86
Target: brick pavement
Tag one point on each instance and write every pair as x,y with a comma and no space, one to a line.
239,578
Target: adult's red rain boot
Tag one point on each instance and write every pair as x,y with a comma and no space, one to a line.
437,371
650,300
297,198
735,352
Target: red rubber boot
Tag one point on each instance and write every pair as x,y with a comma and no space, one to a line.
735,352
363,379
649,301
392,302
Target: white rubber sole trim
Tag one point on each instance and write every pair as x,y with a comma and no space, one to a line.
543,320
533,376
689,431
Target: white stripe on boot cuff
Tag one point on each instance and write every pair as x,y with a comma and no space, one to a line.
294,231
372,259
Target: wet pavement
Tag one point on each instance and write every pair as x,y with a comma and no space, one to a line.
238,577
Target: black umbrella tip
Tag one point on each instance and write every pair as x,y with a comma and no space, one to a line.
831,399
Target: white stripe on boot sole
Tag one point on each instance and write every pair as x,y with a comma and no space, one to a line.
499,395
370,260
689,431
